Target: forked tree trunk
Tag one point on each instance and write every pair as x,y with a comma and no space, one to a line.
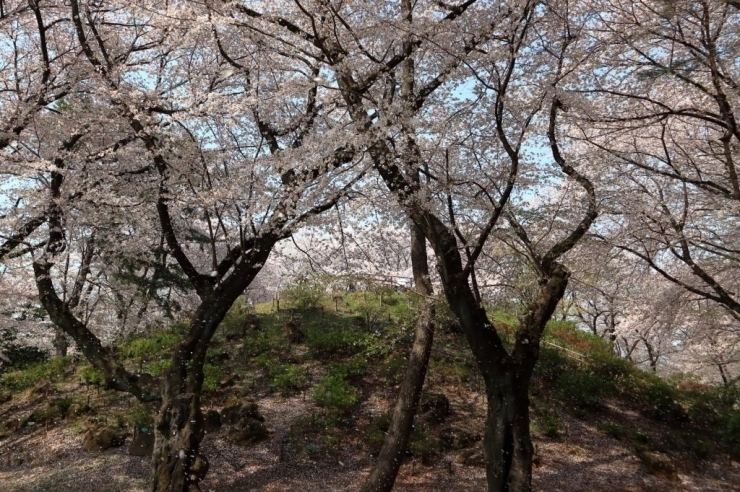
383,475
176,463
507,444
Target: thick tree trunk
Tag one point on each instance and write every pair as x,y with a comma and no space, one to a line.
177,465
507,444
383,475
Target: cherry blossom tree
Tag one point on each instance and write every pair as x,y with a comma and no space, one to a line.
182,137
664,99
473,149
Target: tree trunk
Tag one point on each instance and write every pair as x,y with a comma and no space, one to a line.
507,445
60,343
383,475
176,463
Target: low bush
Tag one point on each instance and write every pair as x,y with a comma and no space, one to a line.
143,348
581,389
18,380
352,369
288,378
326,342
305,295
335,394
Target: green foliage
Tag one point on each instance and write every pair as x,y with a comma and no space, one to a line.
91,375
352,369
375,433
143,348
732,431
567,335
305,295
656,398
20,355
393,368
326,342
545,420
444,318
423,445
610,368
288,378
268,339
157,368
581,389
233,322
552,364
612,429
139,415
211,377
335,394
18,380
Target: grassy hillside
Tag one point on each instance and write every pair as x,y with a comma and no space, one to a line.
340,380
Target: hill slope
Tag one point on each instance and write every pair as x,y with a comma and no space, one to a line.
598,423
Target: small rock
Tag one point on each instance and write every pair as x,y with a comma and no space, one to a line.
42,387
221,356
434,407
200,467
227,382
142,444
77,409
471,457
102,439
211,421
246,432
233,414
12,425
453,438
659,465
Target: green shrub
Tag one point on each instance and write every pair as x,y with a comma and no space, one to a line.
265,340
392,369
233,322
581,389
158,367
568,335
612,429
333,341
91,375
640,438
305,295
152,346
288,378
546,423
335,394
352,369
551,365
18,380
609,367
211,377
376,431
423,446
656,398
732,432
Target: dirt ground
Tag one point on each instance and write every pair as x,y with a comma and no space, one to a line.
583,459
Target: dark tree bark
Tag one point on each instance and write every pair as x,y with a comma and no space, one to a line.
177,463
383,475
